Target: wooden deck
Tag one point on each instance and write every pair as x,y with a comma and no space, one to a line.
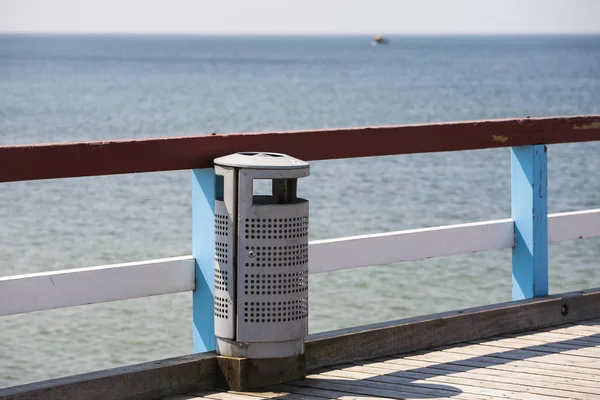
562,362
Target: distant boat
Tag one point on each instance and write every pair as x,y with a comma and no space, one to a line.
380,40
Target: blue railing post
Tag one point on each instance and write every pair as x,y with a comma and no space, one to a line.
529,193
203,239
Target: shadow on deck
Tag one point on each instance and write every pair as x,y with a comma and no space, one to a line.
551,368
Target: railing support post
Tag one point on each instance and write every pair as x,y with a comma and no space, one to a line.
529,193
203,243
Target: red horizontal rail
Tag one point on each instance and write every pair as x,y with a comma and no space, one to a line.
66,160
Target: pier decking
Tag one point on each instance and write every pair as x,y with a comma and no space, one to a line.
562,362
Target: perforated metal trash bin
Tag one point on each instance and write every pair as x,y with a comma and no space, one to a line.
261,256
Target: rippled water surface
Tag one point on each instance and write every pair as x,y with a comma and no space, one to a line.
62,88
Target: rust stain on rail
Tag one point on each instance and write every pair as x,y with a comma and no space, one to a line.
591,125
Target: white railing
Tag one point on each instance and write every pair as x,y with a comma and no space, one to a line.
75,287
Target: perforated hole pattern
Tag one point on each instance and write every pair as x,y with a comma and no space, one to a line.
267,284
221,280
221,252
276,311
276,228
278,256
221,307
221,224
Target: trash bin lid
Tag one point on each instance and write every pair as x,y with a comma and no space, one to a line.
260,160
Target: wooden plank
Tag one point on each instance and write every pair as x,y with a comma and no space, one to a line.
203,250
343,389
417,244
383,372
401,336
196,395
540,357
323,393
550,337
136,382
574,225
565,330
354,376
74,287
592,322
64,160
528,365
589,341
584,331
425,377
403,386
465,385
553,335
534,375
231,396
542,346
573,331
221,395
408,245
400,366
278,394
529,200
474,384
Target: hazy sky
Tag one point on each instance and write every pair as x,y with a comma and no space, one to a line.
305,16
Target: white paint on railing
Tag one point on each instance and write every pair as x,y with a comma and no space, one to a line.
75,287
417,244
573,225
409,245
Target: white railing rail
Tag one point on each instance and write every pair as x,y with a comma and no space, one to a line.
76,287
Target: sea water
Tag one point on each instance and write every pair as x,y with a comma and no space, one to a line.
74,88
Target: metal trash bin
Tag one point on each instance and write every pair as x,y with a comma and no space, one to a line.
261,256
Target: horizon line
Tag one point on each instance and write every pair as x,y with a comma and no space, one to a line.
148,33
